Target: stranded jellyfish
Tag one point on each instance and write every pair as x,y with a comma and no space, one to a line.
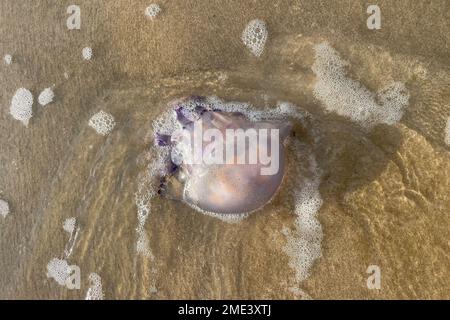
222,161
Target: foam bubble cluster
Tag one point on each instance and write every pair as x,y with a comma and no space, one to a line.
146,191
152,10
103,122
143,204
71,228
4,208
22,106
69,225
95,291
349,98
282,111
303,244
59,270
255,36
447,132
46,97
87,53
8,59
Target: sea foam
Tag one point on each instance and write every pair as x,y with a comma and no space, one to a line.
147,189
59,270
349,98
87,53
255,36
95,291
4,208
303,243
69,225
8,59
46,97
103,122
22,106
152,11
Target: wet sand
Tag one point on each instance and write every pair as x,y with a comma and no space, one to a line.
385,191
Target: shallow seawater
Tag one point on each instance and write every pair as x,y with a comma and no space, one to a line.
375,191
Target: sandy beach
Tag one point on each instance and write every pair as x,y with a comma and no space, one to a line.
384,187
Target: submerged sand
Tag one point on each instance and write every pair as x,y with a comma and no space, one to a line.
385,190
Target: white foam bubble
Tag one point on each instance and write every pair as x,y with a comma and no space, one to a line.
59,270
147,189
46,97
447,132
22,106
283,110
303,244
4,208
229,218
152,10
8,59
103,122
69,225
255,36
95,291
87,53
166,123
349,98
143,243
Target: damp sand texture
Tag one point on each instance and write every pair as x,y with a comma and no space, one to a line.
383,193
